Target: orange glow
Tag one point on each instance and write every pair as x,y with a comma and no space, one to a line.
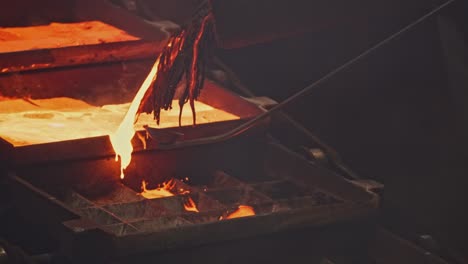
168,189
57,35
242,211
183,191
122,139
37,121
190,206
164,190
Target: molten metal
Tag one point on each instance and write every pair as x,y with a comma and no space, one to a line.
168,189
29,121
58,35
159,88
122,139
190,206
165,190
242,211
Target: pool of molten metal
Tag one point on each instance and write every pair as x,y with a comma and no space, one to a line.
27,122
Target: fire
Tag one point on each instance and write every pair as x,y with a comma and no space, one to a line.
122,139
165,190
190,206
168,189
242,211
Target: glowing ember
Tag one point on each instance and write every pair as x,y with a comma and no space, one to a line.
162,191
183,191
190,206
242,211
122,139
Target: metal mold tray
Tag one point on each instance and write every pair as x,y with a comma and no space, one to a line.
297,194
82,47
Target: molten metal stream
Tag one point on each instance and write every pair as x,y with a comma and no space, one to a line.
122,139
160,87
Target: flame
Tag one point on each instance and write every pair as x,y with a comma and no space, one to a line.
242,211
165,190
190,206
121,140
168,189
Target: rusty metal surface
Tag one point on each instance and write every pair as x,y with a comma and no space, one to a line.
285,190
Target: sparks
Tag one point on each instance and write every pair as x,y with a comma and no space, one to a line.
190,206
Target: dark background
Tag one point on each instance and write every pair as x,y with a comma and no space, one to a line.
399,116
